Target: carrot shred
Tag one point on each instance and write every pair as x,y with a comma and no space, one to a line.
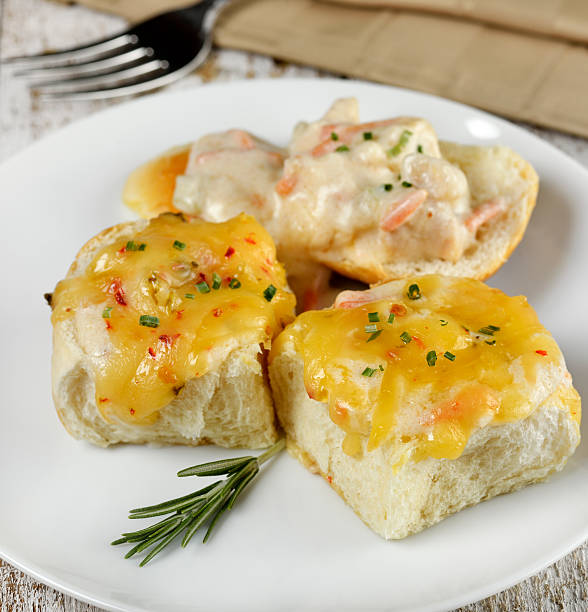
402,210
286,184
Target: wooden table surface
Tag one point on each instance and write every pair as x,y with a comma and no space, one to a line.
29,26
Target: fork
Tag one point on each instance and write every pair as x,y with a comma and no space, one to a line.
147,56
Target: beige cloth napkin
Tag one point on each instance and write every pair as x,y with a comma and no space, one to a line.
525,59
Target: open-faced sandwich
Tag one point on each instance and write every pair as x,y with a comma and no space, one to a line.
373,201
420,397
160,333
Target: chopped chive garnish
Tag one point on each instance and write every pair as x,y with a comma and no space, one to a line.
443,322
179,245
405,337
449,356
420,148
334,136
369,372
106,312
431,358
381,367
149,321
374,317
388,186
414,292
132,246
488,330
490,343
203,287
370,329
402,142
269,293
235,283
189,296
342,149
391,317
406,184
142,247
216,281
368,136
374,335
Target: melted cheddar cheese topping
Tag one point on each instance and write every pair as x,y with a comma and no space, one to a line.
450,356
168,304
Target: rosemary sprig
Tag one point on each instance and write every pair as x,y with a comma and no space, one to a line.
192,511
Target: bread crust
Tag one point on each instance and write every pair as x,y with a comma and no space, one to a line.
230,406
399,501
491,172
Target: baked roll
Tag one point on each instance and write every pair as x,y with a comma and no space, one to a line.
385,199
373,201
160,333
420,397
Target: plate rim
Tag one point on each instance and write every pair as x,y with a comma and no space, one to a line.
472,595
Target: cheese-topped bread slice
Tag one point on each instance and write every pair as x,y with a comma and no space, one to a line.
160,333
417,398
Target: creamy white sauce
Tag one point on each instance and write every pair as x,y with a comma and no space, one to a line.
382,183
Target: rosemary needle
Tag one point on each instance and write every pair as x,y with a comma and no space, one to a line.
190,512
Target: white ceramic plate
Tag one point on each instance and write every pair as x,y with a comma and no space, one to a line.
292,543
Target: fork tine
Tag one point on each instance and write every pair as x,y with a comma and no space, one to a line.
49,75
104,81
86,53
140,84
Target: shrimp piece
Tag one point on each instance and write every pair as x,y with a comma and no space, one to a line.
402,209
243,139
352,299
485,212
348,131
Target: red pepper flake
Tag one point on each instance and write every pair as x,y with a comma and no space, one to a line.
103,399
264,269
165,339
123,250
152,352
108,324
217,312
330,479
268,261
229,252
201,277
132,411
429,214
418,342
249,239
541,352
179,314
116,289
398,309
68,310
